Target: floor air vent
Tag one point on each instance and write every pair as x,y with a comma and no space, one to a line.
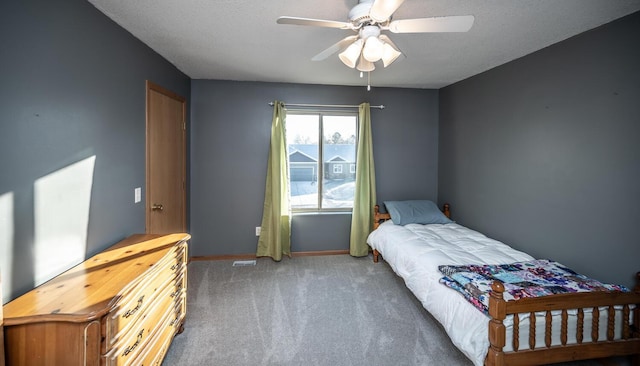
244,263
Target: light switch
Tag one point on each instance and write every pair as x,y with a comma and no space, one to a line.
137,193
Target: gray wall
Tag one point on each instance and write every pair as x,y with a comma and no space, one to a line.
543,153
231,124
73,86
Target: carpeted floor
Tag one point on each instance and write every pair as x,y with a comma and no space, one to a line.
325,310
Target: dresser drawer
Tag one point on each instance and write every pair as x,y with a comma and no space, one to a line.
154,352
143,331
137,301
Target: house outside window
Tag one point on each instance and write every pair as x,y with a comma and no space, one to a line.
321,145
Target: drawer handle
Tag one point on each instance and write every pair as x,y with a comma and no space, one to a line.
177,265
178,290
175,321
133,346
133,311
179,262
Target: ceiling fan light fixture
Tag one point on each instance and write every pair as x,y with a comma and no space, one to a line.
389,54
373,49
364,65
350,55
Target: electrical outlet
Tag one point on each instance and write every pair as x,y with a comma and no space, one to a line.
258,228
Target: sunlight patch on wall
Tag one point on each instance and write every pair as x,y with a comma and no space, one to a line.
61,212
6,244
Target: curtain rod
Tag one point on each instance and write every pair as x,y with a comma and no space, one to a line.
328,105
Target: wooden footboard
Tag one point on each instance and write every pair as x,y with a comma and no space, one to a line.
590,346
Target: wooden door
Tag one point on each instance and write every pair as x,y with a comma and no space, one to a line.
166,161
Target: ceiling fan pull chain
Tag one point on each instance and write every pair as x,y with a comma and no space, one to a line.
368,80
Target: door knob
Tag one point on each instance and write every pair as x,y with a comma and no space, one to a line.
157,207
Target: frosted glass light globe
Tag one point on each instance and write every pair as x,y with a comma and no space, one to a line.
373,49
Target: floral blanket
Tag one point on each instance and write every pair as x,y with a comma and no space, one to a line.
521,279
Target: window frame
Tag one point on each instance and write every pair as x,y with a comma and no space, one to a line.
320,167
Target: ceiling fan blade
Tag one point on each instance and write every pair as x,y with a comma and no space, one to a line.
314,22
381,10
460,23
338,46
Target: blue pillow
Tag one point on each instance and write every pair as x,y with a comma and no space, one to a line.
415,212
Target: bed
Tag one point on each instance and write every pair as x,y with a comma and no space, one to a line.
545,329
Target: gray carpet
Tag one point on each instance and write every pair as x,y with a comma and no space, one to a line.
327,310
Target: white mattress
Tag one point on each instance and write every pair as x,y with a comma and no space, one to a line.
414,252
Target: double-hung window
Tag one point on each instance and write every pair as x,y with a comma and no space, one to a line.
322,158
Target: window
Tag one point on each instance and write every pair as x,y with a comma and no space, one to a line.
320,147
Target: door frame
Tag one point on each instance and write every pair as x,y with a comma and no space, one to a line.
150,86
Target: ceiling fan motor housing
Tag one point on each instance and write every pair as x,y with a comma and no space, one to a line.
359,14
369,31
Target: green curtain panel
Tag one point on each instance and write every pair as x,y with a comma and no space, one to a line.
275,234
365,194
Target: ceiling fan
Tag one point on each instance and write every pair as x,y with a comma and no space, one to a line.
368,19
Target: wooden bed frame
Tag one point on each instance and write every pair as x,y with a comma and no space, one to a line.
593,346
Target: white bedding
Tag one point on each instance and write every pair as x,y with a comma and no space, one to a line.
414,252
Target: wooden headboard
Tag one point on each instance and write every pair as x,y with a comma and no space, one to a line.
379,217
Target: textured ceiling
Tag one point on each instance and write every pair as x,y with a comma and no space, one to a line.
240,40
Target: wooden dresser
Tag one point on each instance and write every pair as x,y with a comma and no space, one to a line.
122,306
1,331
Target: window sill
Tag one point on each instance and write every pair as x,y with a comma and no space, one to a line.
316,213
